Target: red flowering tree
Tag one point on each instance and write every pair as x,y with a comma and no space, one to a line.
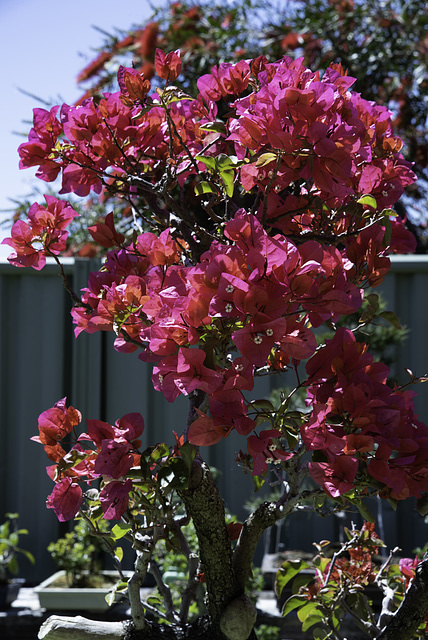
261,210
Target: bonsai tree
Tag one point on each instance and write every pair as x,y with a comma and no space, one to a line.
259,210
80,555
9,547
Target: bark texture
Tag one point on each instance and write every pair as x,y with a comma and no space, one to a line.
413,609
206,508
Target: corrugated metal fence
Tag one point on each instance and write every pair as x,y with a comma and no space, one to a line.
41,362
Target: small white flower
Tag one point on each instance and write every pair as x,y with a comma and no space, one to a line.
239,367
230,288
269,332
229,307
258,339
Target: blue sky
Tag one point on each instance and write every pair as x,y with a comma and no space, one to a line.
43,46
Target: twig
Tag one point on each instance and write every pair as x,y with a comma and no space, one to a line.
165,592
67,287
189,592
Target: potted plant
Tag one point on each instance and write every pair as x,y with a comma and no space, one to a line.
9,539
81,581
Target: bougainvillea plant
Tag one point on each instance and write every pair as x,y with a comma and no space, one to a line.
343,583
262,210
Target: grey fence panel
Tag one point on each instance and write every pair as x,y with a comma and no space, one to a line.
32,348
41,362
85,366
406,292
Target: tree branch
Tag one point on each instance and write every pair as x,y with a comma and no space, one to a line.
413,609
165,592
266,515
79,628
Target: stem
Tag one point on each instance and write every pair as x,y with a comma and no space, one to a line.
196,398
165,592
171,123
190,592
368,627
269,186
67,287
144,548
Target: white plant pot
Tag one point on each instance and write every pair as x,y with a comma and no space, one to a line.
67,598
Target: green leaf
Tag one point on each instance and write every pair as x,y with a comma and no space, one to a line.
392,318
119,530
181,473
266,158
363,509
208,161
145,462
292,438
223,161
368,201
121,586
321,563
258,482
422,505
373,300
228,179
321,634
311,620
142,111
310,608
294,602
319,500
160,451
118,553
174,475
218,126
28,555
262,404
188,452
309,615
386,222
286,572
390,213
204,187
302,580
13,565
111,597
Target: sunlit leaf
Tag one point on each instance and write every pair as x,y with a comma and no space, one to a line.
286,572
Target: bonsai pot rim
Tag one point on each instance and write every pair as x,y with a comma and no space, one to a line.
73,598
